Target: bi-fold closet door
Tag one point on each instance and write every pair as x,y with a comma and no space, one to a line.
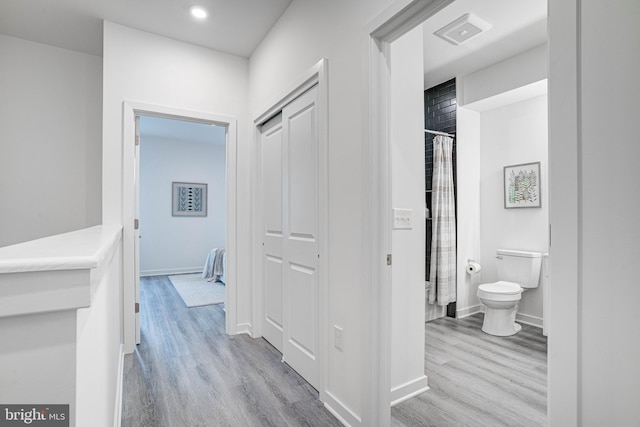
289,186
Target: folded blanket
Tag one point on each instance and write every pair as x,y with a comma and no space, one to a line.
218,264
214,265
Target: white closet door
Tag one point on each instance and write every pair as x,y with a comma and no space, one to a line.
272,187
300,235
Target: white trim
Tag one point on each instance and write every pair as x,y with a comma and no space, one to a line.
400,17
408,390
130,109
564,392
117,413
317,75
529,320
171,271
339,410
245,328
469,311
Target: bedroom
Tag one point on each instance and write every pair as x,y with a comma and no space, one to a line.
178,240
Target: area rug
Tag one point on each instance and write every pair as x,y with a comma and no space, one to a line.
196,291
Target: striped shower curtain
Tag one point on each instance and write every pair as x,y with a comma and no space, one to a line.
442,278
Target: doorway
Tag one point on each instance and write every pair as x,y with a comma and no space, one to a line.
182,203
131,290
398,20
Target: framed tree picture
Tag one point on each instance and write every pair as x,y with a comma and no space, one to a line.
189,199
522,186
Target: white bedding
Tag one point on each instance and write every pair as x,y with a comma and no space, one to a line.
215,269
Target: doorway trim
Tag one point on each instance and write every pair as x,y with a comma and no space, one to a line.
316,76
130,110
399,18
564,98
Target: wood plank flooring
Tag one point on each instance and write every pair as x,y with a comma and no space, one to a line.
478,379
188,372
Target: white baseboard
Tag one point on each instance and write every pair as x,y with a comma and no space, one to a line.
464,312
529,320
170,271
245,328
408,390
341,411
117,413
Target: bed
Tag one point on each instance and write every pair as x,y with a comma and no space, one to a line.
215,267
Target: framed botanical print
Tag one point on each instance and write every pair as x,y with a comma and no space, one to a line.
522,186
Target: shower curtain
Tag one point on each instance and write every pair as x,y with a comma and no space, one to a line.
442,278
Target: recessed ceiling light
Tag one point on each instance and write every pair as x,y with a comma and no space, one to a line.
198,12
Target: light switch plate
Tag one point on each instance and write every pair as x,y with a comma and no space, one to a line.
402,219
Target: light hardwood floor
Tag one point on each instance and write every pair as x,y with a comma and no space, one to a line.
188,372
478,379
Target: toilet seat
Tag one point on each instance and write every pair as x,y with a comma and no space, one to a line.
500,291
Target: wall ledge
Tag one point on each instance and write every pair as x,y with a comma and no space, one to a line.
54,273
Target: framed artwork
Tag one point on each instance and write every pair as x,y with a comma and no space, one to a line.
189,199
522,186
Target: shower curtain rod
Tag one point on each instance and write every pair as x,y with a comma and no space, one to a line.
439,133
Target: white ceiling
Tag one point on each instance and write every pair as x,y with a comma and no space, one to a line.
233,26
238,26
180,130
517,25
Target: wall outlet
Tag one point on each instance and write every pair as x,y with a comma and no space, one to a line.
402,219
337,337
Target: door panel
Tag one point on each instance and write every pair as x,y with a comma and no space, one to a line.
271,168
302,163
302,333
301,297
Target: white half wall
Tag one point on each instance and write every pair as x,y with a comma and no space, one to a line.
408,192
50,128
513,134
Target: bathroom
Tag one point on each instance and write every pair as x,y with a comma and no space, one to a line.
500,114
501,121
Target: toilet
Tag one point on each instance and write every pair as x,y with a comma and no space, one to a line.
517,272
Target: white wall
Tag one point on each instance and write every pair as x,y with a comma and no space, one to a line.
307,32
169,244
468,208
609,206
150,69
50,127
513,134
515,72
495,88
408,192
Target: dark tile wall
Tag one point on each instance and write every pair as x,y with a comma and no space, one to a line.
439,114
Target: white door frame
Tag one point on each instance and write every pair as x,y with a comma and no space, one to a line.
317,75
130,110
564,343
395,21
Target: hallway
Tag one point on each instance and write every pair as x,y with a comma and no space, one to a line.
188,372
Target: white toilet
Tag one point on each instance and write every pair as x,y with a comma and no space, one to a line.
517,271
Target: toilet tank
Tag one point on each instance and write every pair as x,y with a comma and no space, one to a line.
521,267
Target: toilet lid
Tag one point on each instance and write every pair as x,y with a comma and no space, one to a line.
501,287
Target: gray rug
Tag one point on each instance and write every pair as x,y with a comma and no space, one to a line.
196,291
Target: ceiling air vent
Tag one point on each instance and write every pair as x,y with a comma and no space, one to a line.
462,29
